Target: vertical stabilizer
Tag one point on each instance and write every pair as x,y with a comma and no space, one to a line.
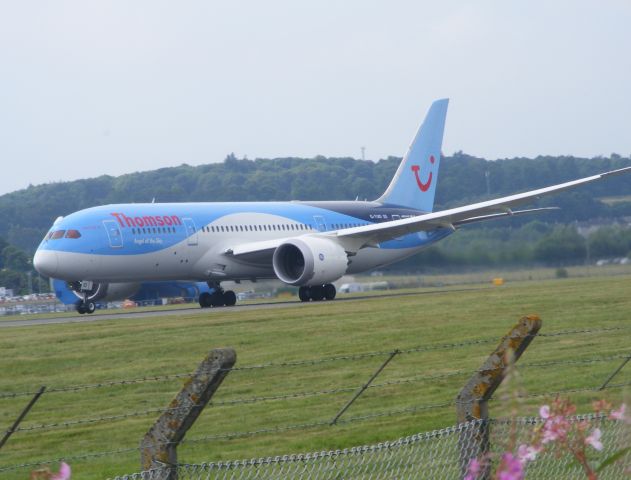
414,183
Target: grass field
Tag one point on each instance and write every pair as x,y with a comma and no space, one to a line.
77,354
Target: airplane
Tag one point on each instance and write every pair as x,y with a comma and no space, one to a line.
310,245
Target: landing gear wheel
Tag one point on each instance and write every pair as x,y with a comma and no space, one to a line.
304,294
317,293
329,291
219,297
216,299
204,300
90,307
81,308
229,298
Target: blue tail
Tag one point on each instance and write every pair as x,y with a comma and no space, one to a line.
414,183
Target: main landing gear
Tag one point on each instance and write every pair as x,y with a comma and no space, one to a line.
317,292
219,298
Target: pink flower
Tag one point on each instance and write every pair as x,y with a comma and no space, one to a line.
618,414
594,439
556,427
64,472
510,468
527,453
544,411
601,405
475,467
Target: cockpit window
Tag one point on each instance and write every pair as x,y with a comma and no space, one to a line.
57,234
73,234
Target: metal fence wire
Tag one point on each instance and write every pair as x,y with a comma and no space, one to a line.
440,454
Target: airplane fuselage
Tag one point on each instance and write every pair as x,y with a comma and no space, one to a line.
192,241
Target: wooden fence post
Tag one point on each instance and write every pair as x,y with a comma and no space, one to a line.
158,448
472,401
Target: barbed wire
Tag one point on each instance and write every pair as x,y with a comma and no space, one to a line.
238,401
111,418
110,383
421,348
555,393
573,390
345,389
305,426
581,331
572,361
83,456
157,378
302,426
307,362
297,395
227,436
416,379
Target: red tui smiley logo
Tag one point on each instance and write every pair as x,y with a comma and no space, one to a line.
423,186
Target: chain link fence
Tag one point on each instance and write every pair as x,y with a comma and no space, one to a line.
440,454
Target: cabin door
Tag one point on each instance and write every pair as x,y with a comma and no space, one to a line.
191,231
113,233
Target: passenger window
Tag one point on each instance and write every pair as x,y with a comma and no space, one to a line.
73,234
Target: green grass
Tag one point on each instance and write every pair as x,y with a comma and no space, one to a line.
59,355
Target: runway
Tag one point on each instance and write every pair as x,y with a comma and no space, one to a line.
122,315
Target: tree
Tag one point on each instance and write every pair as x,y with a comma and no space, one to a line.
610,242
561,246
15,259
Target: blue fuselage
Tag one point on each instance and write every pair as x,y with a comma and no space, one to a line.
189,241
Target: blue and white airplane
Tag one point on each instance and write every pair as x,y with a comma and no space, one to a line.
113,248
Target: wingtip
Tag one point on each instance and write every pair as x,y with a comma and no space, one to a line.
616,172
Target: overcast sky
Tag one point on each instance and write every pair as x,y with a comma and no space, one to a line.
110,87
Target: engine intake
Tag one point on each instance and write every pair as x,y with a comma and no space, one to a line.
309,261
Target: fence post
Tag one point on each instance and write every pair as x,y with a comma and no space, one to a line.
27,409
472,401
158,448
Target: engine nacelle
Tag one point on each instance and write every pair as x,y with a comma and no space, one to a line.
105,292
309,261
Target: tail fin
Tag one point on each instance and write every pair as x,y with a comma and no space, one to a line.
414,183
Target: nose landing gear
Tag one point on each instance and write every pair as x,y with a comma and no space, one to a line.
317,293
87,290
219,297
85,307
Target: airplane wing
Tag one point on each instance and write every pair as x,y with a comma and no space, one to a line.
450,218
354,239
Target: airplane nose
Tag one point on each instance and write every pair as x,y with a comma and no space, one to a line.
46,262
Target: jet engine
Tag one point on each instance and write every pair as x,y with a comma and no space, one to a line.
309,261
104,292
